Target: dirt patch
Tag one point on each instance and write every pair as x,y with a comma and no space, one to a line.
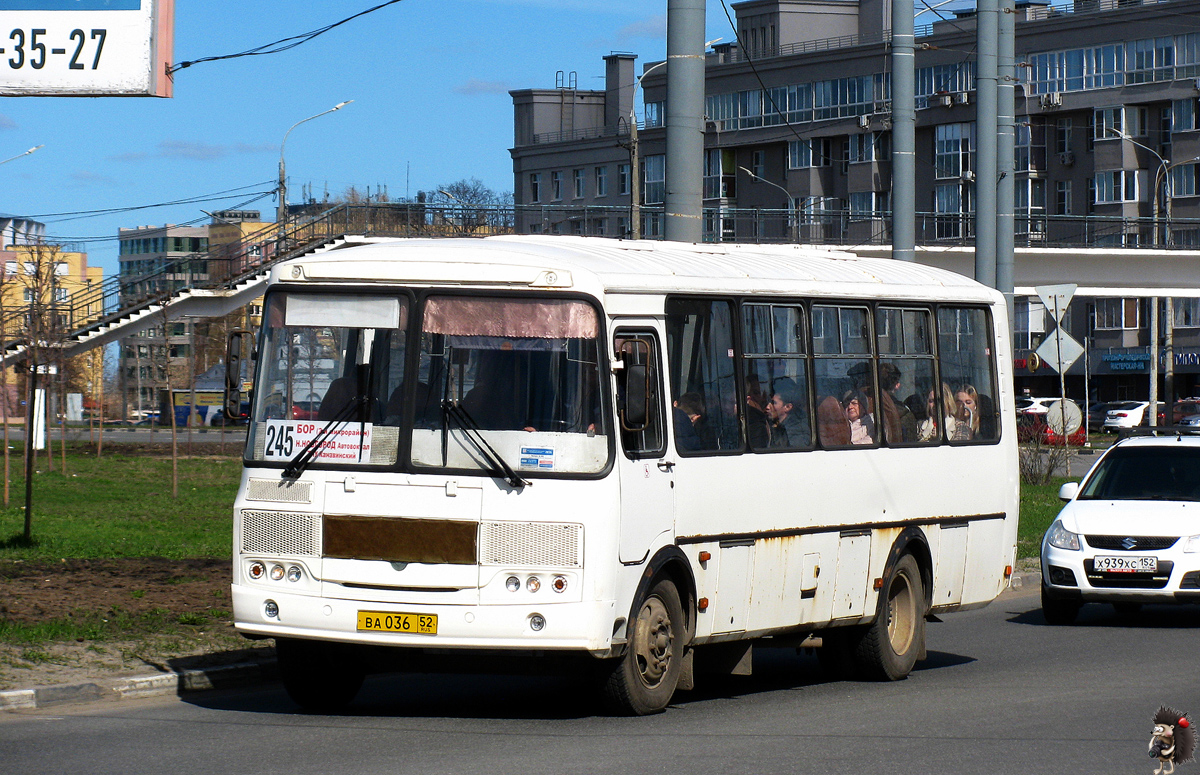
80,620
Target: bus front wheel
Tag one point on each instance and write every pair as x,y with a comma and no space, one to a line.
644,679
890,645
318,676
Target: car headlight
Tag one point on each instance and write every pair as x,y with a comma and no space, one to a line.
1061,538
1191,544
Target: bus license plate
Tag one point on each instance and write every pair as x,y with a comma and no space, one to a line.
382,621
1111,564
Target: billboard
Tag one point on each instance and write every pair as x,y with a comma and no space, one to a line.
86,48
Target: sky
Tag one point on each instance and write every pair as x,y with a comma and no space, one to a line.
429,80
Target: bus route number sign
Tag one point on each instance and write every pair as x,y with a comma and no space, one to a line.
346,443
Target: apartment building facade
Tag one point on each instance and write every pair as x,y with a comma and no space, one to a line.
797,149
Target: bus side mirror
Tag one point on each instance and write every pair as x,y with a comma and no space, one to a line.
237,349
637,398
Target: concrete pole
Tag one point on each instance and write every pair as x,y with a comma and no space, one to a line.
1006,153
904,133
1152,414
985,139
1169,359
685,120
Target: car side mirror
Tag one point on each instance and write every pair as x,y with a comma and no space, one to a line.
237,349
1068,491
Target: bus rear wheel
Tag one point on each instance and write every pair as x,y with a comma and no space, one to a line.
318,676
644,679
888,648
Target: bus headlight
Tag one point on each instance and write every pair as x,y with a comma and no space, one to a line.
257,570
276,573
533,583
512,584
559,584
294,574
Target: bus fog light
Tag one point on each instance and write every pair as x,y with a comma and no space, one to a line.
533,584
276,572
559,584
257,570
537,622
512,584
271,609
294,574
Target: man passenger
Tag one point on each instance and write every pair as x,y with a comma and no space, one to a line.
787,421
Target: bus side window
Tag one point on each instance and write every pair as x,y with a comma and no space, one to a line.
967,362
641,436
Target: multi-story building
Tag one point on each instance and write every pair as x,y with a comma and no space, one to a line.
157,261
797,148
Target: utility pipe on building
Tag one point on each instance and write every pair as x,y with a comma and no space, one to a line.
904,133
685,120
985,139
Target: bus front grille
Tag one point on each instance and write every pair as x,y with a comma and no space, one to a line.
531,544
281,532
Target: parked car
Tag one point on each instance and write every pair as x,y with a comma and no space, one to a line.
1033,427
1183,408
1097,413
305,410
1130,414
1028,405
1191,421
1130,531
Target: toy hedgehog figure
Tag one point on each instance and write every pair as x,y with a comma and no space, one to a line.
1172,741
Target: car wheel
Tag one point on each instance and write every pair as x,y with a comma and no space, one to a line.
1059,612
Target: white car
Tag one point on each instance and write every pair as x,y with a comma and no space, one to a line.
1027,405
1129,533
1127,414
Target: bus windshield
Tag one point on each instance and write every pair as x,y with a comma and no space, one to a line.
522,372
331,374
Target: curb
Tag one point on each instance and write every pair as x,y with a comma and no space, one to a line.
1027,579
137,687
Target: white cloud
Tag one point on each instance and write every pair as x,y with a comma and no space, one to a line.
653,27
476,86
182,149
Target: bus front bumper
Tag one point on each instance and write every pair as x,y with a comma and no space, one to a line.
569,626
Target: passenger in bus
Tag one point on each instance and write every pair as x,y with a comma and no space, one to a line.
686,438
341,392
757,432
692,405
903,427
968,405
831,423
955,429
861,421
787,421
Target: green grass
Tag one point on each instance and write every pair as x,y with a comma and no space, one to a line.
1039,506
87,625
121,506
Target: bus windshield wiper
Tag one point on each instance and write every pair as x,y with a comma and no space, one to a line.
471,430
309,451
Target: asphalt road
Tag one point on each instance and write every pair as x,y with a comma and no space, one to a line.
1001,692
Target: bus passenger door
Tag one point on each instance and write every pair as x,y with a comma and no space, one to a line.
647,475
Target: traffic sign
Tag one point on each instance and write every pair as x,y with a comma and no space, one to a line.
1059,351
1057,298
1062,414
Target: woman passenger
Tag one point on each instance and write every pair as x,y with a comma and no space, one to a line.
930,429
862,423
968,405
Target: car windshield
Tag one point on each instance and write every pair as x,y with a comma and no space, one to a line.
517,378
1137,473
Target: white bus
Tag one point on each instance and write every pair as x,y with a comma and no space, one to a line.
646,457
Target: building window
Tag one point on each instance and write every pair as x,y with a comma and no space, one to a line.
954,147
654,179
556,186
535,187
1187,313
1183,115
758,164
1118,314
577,176
1030,151
868,204
654,114
953,205
1062,197
1109,123
602,181
720,173
1184,180
623,179
1063,129
1116,186
813,152
1029,324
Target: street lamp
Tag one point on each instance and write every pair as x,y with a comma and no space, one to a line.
789,200
281,213
1164,166
19,155
635,190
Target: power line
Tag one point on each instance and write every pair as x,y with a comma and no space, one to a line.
224,194
283,44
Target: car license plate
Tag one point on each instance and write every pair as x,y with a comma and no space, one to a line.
1137,564
382,621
